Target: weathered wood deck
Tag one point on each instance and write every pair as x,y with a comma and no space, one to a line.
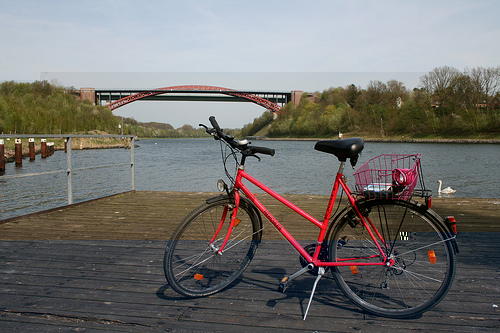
97,266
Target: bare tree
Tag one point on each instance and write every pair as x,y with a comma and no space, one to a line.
439,82
375,92
485,83
395,90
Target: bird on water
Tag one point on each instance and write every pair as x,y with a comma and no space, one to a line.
447,190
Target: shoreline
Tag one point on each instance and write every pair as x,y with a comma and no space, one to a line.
478,141
462,141
9,153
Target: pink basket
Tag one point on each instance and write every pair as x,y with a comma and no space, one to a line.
388,176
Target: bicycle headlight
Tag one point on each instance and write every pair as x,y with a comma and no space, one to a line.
221,185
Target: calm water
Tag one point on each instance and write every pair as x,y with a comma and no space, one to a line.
195,165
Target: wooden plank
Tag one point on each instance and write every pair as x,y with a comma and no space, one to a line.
54,286
154,215
98,266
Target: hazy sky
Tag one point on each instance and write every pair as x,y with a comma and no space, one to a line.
277,45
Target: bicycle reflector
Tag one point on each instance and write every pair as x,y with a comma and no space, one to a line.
451,222
432,256
354,270
198,277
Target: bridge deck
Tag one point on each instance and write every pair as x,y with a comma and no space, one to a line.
98,266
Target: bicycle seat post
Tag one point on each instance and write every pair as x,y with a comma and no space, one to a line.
341,167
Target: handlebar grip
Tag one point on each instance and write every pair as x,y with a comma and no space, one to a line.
263,150
214,123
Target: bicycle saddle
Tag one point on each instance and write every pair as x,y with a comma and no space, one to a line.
343,149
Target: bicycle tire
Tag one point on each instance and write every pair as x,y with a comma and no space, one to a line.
419,243
192,266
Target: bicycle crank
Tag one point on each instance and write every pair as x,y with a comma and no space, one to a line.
322,256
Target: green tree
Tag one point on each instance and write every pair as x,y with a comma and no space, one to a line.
258,124
351,94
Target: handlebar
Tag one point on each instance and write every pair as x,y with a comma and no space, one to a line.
241,145
262,150
214,123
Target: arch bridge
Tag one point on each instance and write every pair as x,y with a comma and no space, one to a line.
116,98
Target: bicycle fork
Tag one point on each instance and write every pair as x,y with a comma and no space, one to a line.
234,222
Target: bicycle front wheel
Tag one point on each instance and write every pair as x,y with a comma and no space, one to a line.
424,260
191,263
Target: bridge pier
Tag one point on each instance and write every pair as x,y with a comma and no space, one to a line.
87,93
296,95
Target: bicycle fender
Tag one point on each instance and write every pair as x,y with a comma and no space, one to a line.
449,228
445,225
217,198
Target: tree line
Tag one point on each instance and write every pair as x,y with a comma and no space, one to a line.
160,130
42,108
447,103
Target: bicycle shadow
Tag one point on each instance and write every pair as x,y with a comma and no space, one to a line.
165,292
162,293
267,281
326,293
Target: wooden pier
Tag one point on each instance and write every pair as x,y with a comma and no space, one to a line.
97,266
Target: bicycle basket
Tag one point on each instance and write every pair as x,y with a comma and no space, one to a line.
388,176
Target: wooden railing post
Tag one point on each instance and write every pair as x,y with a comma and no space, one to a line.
132,163
69,173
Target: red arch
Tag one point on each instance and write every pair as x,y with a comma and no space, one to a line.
194,88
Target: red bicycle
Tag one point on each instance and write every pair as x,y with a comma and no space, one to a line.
389,254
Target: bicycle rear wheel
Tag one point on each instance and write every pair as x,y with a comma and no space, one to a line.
424,258
191,263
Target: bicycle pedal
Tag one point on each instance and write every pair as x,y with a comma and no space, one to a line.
283,284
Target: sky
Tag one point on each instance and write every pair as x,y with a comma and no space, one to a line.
273,45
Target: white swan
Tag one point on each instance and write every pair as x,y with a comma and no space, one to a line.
447,190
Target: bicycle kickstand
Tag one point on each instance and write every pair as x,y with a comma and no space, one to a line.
321,272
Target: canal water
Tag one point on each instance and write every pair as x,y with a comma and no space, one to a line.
195,165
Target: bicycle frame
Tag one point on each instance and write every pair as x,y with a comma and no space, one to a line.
322,225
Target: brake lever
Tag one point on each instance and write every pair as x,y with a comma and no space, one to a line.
210,131
253,155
